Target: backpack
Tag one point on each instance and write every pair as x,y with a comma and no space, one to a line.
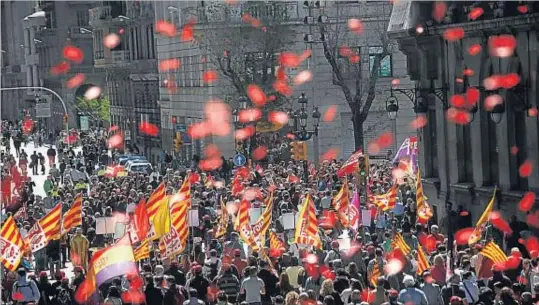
63,297
17,286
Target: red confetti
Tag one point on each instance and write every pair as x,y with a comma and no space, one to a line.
492,101
210,164
532,244
373,147
257,96
217,114
249,115
115,141
330,114
282,87
525,169
523,9
260,153
133,296
532,112
245,133
533,219
303,77
474,49
17,296
475,13
385,140
289,60
111,41
497,221
419,122
463,235
281,75
187,33
275,253
395,82
502,45
345,51
510,80
454,34
472,96
457,101
355,25
250,19
331,154
457,116
212,151
278,117
468,72
60,68
354,59
113,128
290,136
459,80
393,266
75,81
73,53
165,28
209,76
438,11
514,150
169,64
526,203
148,129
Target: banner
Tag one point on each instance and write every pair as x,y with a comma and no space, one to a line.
170,244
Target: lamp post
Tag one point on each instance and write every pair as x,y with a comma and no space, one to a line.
240,146
298,127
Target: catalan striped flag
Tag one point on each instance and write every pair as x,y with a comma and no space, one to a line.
307,227
422,261
242,225
179,210
153,203
12,245
222,226
142,251
485,217
264,222
388,200
73,217
46,229
493,251
275,242
375,275
424,211
208,181
341,203
398,241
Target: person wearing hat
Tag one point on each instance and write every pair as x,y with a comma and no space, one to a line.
410,294
25,290
392,298
432,291
199,283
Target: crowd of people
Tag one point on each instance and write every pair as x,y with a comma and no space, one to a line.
354,265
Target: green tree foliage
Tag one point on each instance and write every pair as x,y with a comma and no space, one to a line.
98,108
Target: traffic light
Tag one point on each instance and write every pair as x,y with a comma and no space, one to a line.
178,142
298,150
363,167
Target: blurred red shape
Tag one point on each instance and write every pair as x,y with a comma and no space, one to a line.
468,72
532,112
492,101
330,113
210,164
532,244
260,153
523,9
60,68
472,96
514,150
249,115
525,169
303,77
165,28
474,49
419,122
527,202
282,87
244,133
199,130
460,117
278,117
510,80
385,139
75,81
210,76
257,95
169,64
463,235
148,129
454,34
502,45
355,25
497,221
532,219
439,9
73,53
475,13
289,60
115,141
457,101
187,33
331,154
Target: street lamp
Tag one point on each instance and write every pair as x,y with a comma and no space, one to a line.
415,95
300,131
392,107
240,146
496,114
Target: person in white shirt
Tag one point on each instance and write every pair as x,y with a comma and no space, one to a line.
471,290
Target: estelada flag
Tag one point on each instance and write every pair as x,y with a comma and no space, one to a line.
46,229
11,245
350,165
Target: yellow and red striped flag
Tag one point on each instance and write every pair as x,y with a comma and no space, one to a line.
12,245
142,251
263,223
222,225
208,181
493,251
243,226
485,217
179,210
154,202
275,242
341,202
307,227
375,275
388,200
398,241
73,217
424,211
422,261
46,229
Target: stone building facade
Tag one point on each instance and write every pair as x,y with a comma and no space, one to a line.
463,164
184,106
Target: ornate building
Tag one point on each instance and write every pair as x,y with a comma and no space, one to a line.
462,164
131,68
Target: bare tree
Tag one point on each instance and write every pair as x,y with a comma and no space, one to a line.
245,46
339,40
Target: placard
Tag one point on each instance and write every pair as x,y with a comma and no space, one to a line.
366,218
289,221
255,213
119,230
105,225
192,218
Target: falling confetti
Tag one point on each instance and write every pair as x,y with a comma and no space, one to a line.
251,20
75,81
438,10
115,141
148,128
217,114
395,82
111,41
257,96
492,101
419,122
420,29
457,101
497,221
502,45
355,25
331,154
199,130
462,236
187,33
260,153
169,64
468,72
165,28
457,116
385,140
289,60
532,112
303,77
373,147
245,133
514,150
73,53
278,117
525,169
249,115
472,96
330,113
210,164
209,76
474,49
92,93
61,68
393,267
523,9
282,87
475,13
526,203
454,34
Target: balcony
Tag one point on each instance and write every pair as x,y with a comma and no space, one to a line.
116,59
119,57
77,32
100,13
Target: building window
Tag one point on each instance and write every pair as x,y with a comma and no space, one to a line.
260,67
99,52
431,144
50,13
464,151
386,65
83,18
350,67
492,146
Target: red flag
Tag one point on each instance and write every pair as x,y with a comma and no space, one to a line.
141,220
